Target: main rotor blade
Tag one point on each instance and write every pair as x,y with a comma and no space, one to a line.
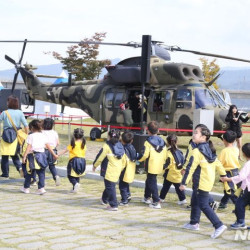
130,44
208,54
14,81
24,46
10,59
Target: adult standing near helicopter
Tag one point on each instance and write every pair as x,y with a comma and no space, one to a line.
11,148
233,118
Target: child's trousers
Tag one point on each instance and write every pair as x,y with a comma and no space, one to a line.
151,188
240,205
166,186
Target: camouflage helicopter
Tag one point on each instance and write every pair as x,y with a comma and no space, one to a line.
172,91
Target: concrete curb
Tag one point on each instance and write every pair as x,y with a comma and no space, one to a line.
62,171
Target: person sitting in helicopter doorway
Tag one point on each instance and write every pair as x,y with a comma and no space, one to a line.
127,115
145,106
233,118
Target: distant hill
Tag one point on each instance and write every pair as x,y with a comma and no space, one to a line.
234,78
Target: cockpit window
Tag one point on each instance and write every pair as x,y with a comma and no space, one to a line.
203,98
184,95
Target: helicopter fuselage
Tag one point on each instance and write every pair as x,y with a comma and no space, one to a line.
175,90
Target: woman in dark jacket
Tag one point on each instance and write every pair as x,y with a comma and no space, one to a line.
11,149
233,118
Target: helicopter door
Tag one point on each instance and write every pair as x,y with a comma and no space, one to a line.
111,111
184,113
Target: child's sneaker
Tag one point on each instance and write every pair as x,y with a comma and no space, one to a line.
41,191
112,208
155,205
123,203
146,200
57,180
219,231
161,200
182,202
129,198
214,205
238,225
76,187
103,202
188,206
195,227
25,190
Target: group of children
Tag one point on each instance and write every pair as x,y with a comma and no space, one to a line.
118,159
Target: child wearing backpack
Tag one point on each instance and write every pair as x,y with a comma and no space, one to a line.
112,160
173,166
77,164
154,155
229,158
128,173
53,139
204,160
35,154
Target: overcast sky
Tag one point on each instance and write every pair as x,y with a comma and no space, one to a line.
215,26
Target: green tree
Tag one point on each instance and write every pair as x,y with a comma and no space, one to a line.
81,60
210,70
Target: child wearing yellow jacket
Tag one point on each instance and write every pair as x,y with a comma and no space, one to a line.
112,160
172,173
229,158
77,163
154,155
128,173
204,159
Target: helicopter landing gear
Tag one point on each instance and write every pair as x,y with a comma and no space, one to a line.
95,133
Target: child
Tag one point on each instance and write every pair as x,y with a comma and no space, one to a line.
26,169
233,118
77,164
53,140
195,181
172,175
128,173
36,143
112,160
229,159
155,156
244,198
204,159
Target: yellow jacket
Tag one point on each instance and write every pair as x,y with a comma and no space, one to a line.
113,165
173,174
206,170
229,158
154,160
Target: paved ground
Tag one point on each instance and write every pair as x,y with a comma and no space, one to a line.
59,220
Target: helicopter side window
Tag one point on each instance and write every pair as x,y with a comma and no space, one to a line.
203,98
184,95
118,99
109,99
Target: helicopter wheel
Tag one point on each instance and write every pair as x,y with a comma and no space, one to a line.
95,133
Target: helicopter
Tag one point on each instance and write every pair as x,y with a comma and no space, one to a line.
171,91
